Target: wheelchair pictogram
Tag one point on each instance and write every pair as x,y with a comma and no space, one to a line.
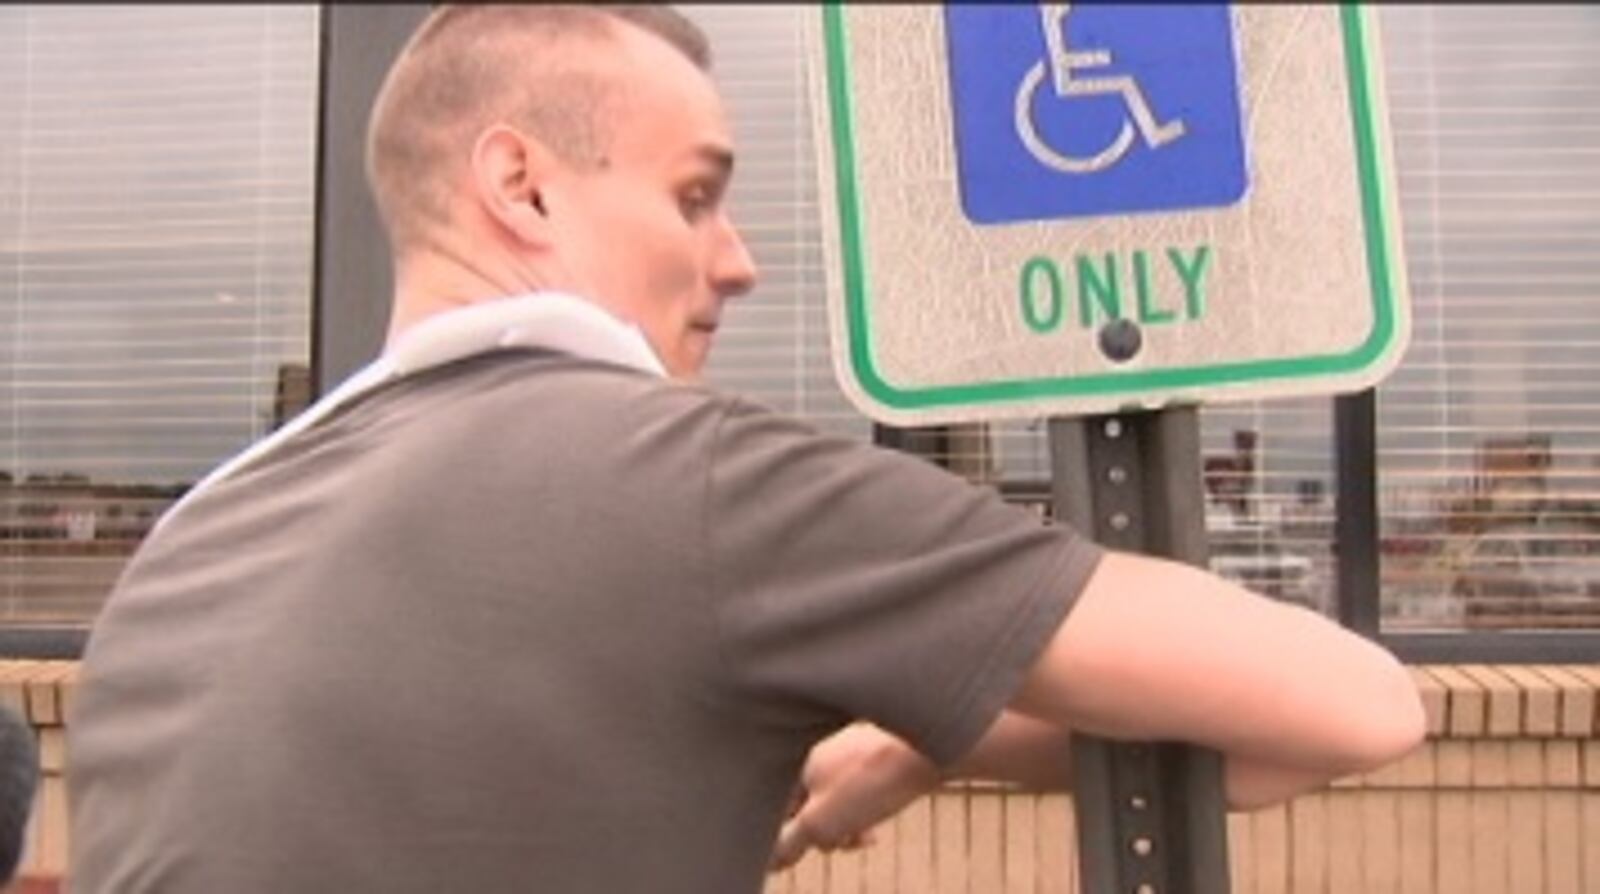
1064,64
1116,108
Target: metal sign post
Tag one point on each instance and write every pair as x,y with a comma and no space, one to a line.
1150,815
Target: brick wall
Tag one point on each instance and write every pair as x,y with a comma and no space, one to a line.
1503,798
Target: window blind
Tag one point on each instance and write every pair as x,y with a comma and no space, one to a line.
774,344
156,219
1489,433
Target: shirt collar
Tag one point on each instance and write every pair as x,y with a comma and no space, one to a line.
555,320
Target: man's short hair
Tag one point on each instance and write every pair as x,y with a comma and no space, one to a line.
470,65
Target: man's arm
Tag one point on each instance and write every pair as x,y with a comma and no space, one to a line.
1153,650
1159,650
1037,755
863,775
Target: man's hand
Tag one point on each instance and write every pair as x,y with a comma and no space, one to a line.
852,780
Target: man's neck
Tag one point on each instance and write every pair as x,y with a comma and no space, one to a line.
436,280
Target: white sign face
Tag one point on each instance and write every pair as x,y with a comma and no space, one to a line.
1059,209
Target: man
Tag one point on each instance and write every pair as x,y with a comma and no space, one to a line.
523,607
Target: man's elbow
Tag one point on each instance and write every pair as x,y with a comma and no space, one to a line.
1392,725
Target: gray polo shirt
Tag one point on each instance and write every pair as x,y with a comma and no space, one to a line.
525,621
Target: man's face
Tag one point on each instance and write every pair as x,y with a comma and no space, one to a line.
646,234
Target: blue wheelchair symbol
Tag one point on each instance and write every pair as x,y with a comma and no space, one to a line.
1084,110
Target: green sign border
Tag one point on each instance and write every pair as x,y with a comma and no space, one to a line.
1377,226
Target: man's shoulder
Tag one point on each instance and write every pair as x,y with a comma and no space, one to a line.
513,404
554,381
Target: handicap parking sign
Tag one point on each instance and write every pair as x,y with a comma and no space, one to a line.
1084,110
1049,208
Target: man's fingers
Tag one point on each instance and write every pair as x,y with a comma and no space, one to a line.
798,836
797,799
792,845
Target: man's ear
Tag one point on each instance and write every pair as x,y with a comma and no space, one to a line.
508,171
